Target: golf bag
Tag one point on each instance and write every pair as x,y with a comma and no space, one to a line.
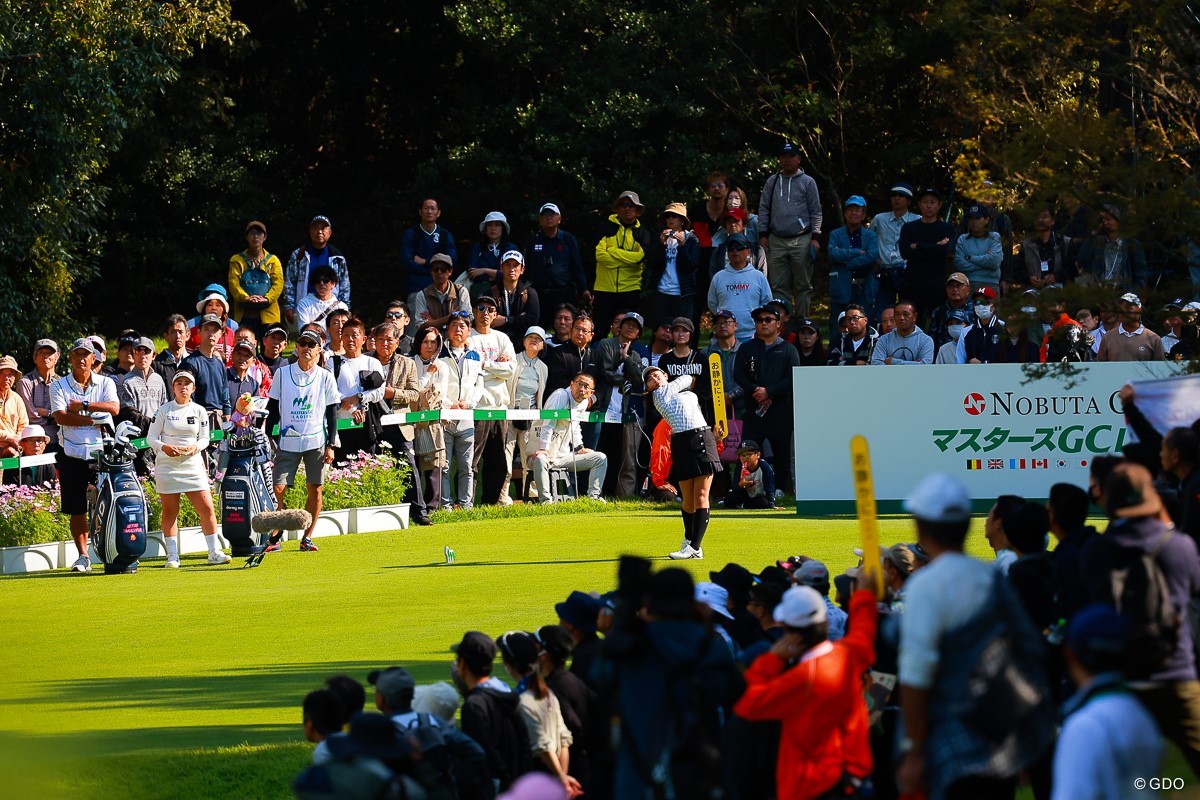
117,520
246,489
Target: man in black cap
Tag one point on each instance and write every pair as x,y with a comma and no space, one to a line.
789,211
303,262
489,716
274,340
577,614
619,362
926,245
744,628
683,360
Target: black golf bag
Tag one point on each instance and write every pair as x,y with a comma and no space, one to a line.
118,517
246,489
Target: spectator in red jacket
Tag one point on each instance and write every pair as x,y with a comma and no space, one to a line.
824,742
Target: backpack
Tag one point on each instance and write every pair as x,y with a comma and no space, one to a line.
1141,594
255,280
689,765
434,771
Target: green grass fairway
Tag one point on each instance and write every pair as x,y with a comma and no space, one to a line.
188,684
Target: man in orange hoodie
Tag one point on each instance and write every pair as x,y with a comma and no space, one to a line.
819,698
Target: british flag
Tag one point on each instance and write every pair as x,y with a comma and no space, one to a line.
995,463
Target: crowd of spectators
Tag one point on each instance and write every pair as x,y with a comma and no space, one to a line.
785,682
512,321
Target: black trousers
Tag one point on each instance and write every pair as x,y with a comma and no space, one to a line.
415,494
489,448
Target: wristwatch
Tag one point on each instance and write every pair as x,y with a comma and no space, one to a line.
85,406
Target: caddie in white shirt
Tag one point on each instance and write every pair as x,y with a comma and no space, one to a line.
73,398
304,399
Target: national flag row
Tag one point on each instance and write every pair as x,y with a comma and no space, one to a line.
1028,463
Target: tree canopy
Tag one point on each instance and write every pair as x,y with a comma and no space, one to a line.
137,138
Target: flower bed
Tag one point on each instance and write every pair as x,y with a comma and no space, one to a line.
29,515
359,481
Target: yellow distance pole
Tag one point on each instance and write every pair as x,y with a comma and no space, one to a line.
868,527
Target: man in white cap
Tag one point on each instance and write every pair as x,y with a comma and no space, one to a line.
73,399
814,687
13,416
33,443
957,744
34,388
303,401
1131,340
554,266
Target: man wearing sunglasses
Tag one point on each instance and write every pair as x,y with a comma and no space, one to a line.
304,399
398,314
319,304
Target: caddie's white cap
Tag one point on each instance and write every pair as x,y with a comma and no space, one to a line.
801,606
939,498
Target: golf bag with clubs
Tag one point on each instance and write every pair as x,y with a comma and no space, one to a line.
246,488
117,518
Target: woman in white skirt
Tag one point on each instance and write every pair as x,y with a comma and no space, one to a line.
179,434
694,458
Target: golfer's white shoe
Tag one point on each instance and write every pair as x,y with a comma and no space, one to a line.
173,563
687,551
219,557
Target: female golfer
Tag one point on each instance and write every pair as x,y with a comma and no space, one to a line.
693,453
178,434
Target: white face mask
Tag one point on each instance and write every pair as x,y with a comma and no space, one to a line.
1028,310
955,331
983,312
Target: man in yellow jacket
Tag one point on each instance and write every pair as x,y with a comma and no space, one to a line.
620,257
255,282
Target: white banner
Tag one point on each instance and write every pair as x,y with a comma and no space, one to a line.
1169,402
990,425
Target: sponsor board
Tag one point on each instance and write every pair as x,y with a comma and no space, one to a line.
989,425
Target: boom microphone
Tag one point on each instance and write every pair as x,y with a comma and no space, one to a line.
289,519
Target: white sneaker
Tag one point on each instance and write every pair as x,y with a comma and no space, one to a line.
219,557
504,500
687,551
82,564
172,563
